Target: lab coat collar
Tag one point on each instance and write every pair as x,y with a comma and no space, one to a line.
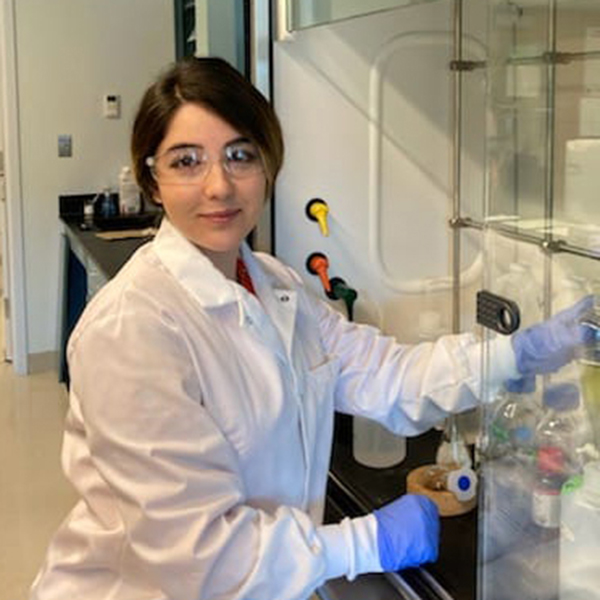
212,289
192,268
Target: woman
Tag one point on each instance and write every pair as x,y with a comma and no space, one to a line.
204,380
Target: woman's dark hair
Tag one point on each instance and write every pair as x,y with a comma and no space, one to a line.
215,85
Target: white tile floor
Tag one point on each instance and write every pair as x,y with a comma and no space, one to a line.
34,495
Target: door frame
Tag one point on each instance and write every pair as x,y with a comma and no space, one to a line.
15,261
260,69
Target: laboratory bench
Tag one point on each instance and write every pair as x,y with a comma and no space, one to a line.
353,489
108,255
88,260
102,258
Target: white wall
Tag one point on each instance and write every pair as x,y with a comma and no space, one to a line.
69,54
202,28
366,110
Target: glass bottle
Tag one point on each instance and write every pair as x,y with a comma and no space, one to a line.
508,468
551,475
558,437
107,204
453,452
514,420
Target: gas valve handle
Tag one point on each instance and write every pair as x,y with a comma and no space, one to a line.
317,210
341,291
317,264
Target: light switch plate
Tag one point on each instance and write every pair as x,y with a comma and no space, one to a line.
65,146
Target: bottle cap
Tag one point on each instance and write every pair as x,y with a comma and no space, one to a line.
522,435
561,396
462,483
525,385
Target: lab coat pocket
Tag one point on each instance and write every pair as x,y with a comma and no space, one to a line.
320,380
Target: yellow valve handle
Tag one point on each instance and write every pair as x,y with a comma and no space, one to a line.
317,210
320,212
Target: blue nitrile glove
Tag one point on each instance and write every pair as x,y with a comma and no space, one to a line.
408,532
548,346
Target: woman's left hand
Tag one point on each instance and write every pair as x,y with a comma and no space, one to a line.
548,346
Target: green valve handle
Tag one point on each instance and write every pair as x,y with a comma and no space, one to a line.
341,291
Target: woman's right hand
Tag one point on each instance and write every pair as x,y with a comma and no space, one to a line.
408,532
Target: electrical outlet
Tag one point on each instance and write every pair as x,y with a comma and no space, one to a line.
65,145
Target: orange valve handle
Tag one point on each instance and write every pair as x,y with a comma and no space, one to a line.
317,264
317,210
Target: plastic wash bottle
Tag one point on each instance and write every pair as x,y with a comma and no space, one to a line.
129,193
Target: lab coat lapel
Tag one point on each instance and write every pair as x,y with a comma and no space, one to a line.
283,313
259,320
281,304
272,319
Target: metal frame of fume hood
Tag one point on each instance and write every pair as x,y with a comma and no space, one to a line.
457,163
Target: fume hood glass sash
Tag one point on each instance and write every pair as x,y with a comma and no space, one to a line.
544,114
541,228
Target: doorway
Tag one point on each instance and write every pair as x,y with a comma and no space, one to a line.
5,349
5,345
12,299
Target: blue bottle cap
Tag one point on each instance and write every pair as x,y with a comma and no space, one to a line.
561,396
462,483
522,435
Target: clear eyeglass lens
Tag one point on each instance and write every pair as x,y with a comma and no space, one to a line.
242,159
190,164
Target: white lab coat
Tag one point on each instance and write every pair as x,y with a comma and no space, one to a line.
200,429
